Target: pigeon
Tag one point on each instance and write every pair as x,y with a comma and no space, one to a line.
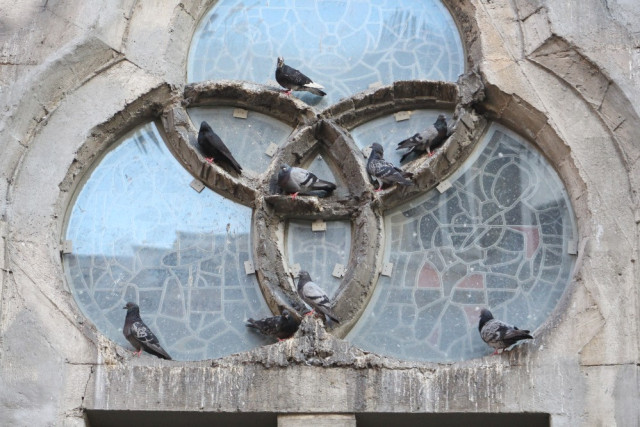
296,181
426,140
139,334
292,79
280,327
383,171
313,295
213,147
498,334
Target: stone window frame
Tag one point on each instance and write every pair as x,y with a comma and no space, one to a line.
113,380
167,106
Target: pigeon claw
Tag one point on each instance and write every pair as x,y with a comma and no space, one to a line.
430,154
209,159
310,313
294,195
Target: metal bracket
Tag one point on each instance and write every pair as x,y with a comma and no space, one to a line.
295,270
197,185
339,270
67,247
240,113
444,186
318,225
249,268
387,269
402,115
572,247
271,150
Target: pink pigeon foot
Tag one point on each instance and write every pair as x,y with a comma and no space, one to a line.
209,159
294,195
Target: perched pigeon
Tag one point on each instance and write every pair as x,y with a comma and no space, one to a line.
292,79
313,295
497,333
139,334
213,147
383,171
281,327
425,140
296,181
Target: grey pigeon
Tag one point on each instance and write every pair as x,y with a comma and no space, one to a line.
424,141
139,334
384,172
498,334
296,181
213,147
280,327
313,295
292,79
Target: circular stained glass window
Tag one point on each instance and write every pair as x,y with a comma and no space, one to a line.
346,46
499,237
141,234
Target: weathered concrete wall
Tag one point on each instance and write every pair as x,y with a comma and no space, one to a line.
565,74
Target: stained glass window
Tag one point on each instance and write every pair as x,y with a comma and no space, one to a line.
498,238
344,45
141,234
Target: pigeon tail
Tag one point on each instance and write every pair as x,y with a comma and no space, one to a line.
314,89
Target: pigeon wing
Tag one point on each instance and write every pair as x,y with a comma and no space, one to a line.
315,297
309,182
386,172
142,334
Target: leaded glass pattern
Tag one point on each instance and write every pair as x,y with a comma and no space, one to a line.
497,238
318,252
344,45
141,234
247,139
388,132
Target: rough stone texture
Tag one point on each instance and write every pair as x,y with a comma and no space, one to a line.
77,74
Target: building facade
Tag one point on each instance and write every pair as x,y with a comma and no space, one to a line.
558,79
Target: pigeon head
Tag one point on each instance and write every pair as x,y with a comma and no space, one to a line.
204,126
304,276
131,306
485,316
284,167
286,314
280,61
377,148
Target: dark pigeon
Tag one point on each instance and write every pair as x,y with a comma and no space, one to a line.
384,172
280,327
498,334
139,334
296,181
292,79
213,147
424,141
313,295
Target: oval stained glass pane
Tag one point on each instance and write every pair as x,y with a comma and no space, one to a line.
388,132
498,238
319,252
141,234
344,45
248,139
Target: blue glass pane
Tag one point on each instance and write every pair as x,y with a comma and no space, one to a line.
141,234
497,238
343,45
388,132
247,139
318,252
